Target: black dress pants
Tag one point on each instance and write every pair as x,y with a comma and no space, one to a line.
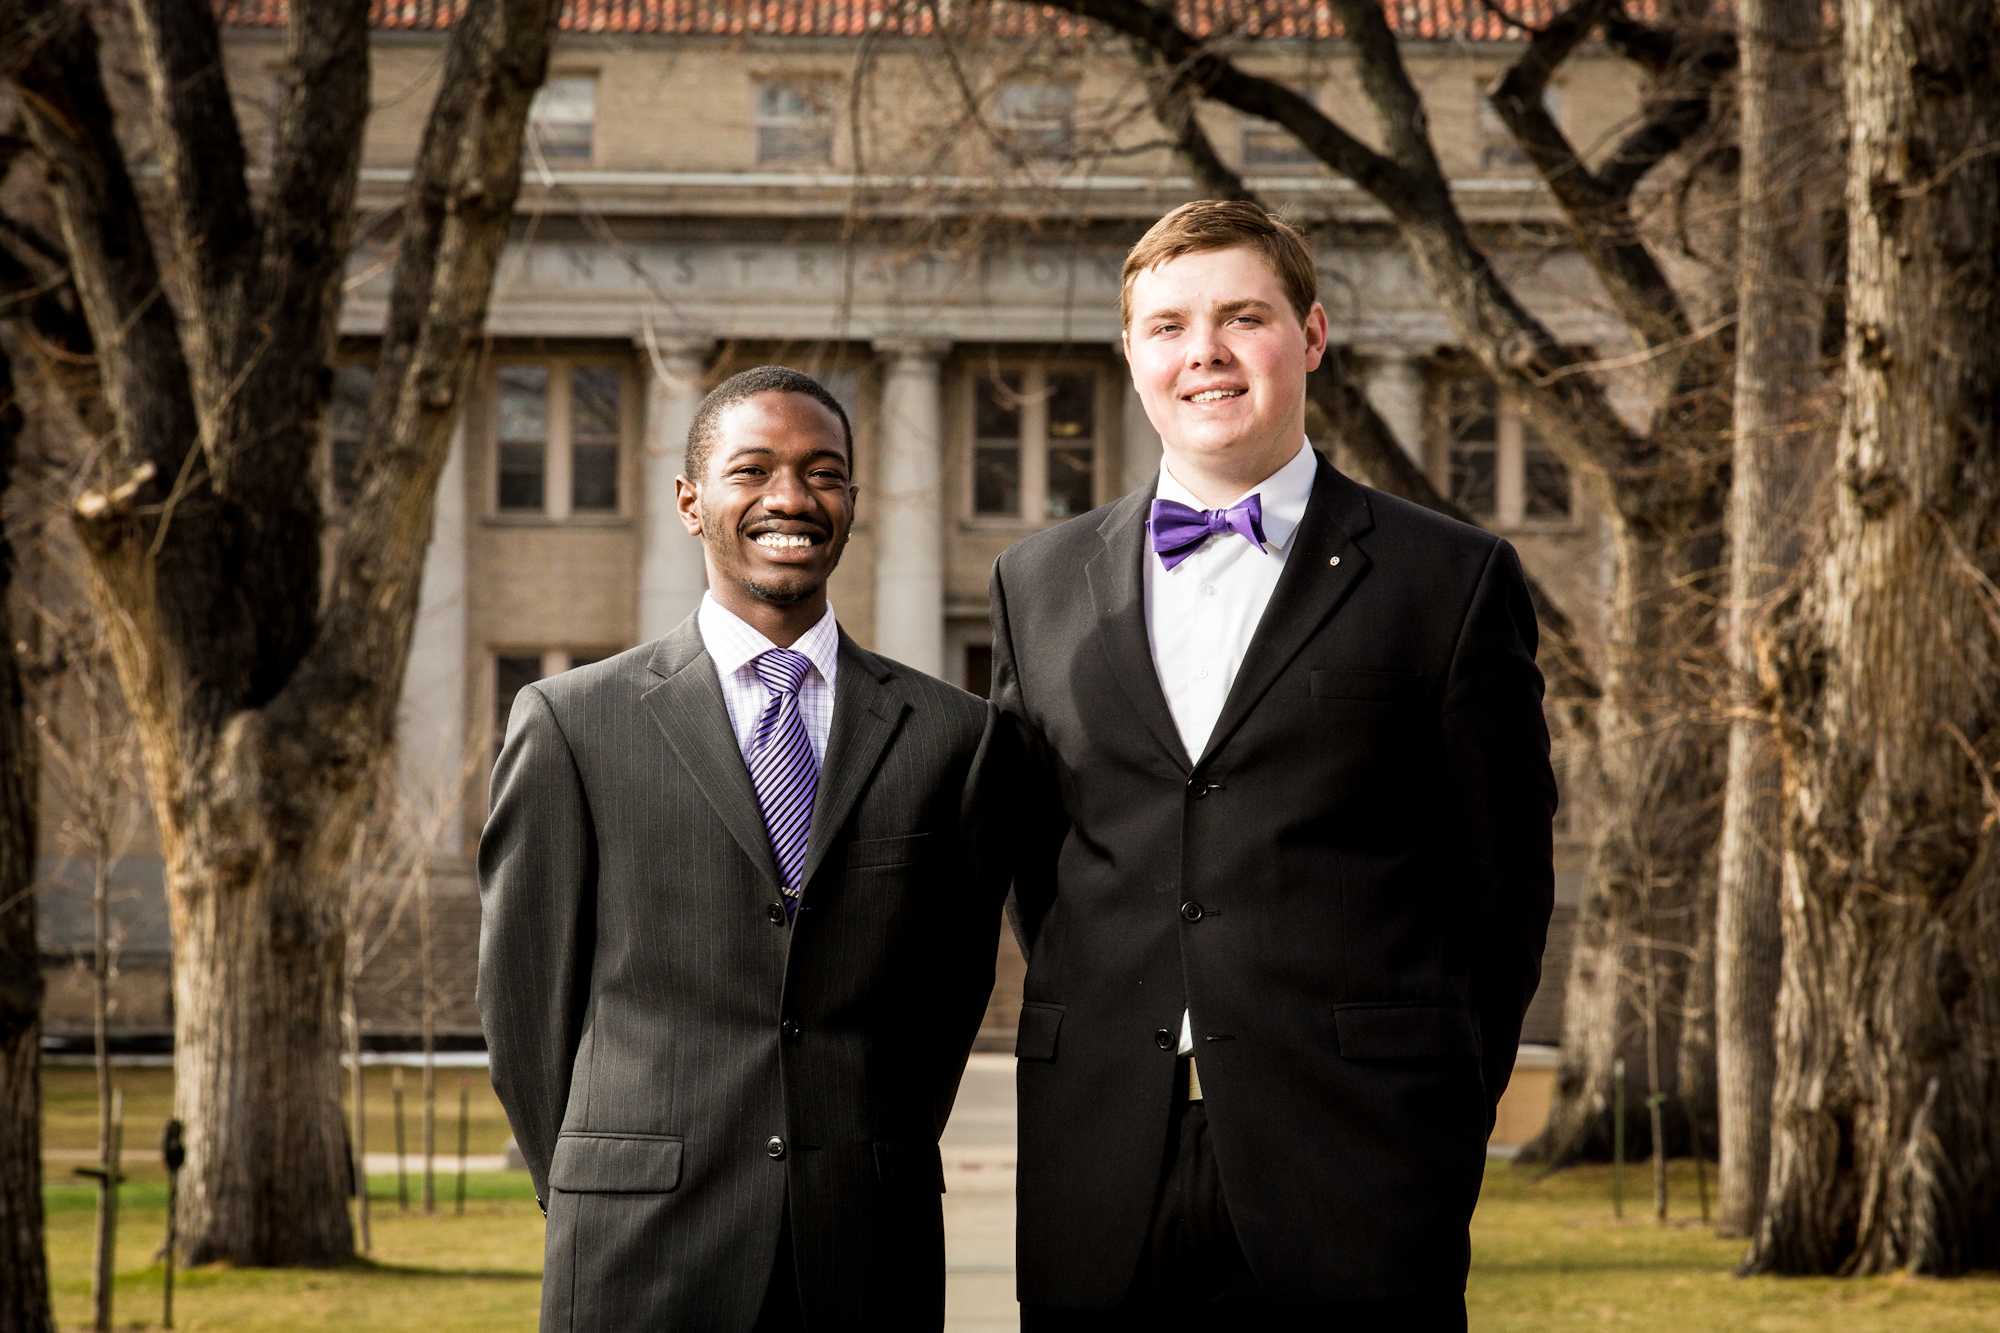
1193,1277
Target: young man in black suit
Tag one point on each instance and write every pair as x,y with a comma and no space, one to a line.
1285,895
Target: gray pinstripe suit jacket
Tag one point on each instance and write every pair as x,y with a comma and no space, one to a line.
676,1061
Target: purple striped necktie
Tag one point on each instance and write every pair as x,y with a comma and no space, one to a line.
782,767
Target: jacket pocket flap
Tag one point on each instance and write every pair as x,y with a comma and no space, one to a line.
864,852
1363,685
914,1163
615,1164
1036,1039
1404,1032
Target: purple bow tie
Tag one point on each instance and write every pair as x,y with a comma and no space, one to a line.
1179,531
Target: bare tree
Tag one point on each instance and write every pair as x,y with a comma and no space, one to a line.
1663,485
262,692
89,762
1886,1121
1780,382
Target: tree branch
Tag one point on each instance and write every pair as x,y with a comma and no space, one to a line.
200,149
455,224
1600,221
110,254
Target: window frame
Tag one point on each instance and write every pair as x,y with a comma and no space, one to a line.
813,87
1035,442
1015,134
1510,453
558,472
533,153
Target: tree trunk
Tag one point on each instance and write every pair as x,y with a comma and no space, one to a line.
1777,373
257,972
24,1294
1885,1147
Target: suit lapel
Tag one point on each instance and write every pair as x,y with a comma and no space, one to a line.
1324,567
1118,590
867,709
688,707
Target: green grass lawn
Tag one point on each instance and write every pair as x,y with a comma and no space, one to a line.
1548,1256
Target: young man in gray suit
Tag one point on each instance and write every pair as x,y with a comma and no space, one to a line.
1284,904
734,946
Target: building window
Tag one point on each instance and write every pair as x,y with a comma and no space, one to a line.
562,122
794,121
558,431
1267,146
1036,443
346,428
1498,148
517,668
1492,461
1036,117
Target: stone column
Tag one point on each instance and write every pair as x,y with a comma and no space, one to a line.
1141,459
438,681
909,506
1396,389
671,577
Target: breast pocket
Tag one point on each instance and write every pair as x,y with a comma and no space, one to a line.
879,853
1379,686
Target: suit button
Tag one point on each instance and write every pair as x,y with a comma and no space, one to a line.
1163,1039
775,914
790,1028
1190,910
1197,788
775,1149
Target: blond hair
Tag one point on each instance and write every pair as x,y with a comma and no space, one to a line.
1218,224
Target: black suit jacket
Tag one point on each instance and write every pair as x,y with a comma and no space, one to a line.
1350,887
675,1059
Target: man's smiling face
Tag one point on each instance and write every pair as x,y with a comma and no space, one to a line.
773,508
1220,359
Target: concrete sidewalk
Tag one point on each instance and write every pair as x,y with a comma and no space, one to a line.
978,1149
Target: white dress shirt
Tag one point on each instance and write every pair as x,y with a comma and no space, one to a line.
1201,613
733,644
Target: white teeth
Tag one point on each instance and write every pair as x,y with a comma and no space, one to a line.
782,540
1215,395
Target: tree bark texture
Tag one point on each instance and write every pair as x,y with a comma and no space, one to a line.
1777,436
263,695
24,1290
1885,1149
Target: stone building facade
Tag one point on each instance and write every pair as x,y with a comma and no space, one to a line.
709,190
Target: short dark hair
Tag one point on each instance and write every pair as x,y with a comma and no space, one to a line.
748,384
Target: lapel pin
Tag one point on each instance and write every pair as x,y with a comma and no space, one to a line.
1333,562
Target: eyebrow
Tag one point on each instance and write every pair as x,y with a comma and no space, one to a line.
765,451
1223,310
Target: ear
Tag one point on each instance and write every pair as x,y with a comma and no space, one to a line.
687,501
1315,336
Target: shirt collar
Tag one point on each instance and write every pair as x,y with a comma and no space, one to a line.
1282,496
732,642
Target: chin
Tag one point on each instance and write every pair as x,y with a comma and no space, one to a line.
783,594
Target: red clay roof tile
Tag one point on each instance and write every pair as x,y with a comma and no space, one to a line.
1413,20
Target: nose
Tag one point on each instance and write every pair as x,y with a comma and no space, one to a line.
786,492
1205,348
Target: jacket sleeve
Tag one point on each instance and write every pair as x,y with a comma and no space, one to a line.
537,884
1497,749
1034,819
964,971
